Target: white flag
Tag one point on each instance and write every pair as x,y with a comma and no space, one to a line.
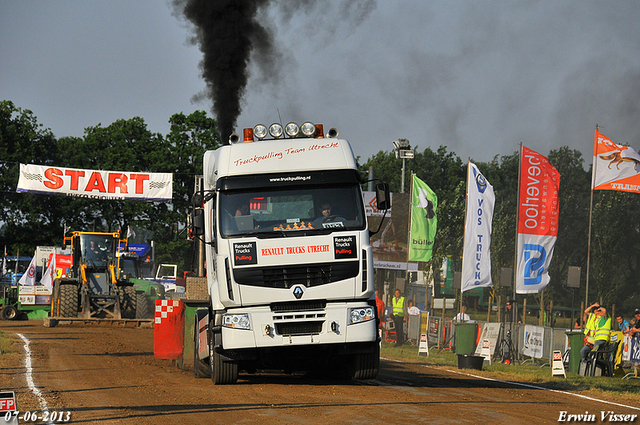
130,232
50,274
29,276
476,258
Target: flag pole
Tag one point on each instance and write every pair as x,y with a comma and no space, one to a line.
593,180
515,258
514,314
464,234
406,271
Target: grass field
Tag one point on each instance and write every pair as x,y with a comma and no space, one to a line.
528,373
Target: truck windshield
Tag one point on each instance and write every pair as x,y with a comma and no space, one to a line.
283,211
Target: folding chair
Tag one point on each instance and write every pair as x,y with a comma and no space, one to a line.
604,358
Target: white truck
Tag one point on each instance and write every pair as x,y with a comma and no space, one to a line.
290,285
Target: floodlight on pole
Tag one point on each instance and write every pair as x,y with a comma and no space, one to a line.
403,151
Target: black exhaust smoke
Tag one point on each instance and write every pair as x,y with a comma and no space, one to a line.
227,33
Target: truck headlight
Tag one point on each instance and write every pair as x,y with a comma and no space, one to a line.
362,314
236,321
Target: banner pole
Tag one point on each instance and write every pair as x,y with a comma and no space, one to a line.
464,234
515,258
593,181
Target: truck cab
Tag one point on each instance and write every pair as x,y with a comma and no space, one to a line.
290,273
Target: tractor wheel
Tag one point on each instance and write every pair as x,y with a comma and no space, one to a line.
221,372
143,306
127,298
9,312
68,300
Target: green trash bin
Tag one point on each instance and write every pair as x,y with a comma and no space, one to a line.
576,342
465,337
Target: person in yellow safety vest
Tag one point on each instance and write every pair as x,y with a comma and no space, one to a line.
597,330
398,315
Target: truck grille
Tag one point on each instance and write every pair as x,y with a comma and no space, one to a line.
286,277
298,306
299,328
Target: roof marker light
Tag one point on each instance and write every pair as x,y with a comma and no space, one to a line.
319,133
248,135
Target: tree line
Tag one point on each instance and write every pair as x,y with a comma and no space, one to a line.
615,242
29,220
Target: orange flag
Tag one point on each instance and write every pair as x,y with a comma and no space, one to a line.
615,167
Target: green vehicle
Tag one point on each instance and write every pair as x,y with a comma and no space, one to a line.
132,270
9,305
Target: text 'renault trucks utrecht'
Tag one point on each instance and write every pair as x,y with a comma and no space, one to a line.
290,268
94,287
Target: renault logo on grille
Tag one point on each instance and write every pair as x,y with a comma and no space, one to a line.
298,292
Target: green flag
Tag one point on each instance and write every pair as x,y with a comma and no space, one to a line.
424,221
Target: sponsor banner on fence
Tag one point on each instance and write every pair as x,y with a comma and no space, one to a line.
491,333
533,341
95,184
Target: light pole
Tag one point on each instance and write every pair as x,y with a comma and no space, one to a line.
403,151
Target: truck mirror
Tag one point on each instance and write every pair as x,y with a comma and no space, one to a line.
197,200
383,198
197,222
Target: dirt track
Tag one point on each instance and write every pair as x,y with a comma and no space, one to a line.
109,375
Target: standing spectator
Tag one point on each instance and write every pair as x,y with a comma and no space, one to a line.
635,330
399,310
510,315
623,325
597,330
412,310
462,316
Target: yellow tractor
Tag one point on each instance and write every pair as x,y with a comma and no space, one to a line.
93,288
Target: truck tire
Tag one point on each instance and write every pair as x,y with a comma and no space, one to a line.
143,306
9,312
366,365
127,299
200,367
68,300
221,372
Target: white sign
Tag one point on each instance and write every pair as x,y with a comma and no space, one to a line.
95,184
394,265
557,366
490,332
533,341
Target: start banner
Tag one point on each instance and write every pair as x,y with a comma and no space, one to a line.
119,185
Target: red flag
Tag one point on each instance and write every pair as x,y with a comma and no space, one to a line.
537,221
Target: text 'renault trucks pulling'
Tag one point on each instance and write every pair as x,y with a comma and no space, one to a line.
290,267
94,287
